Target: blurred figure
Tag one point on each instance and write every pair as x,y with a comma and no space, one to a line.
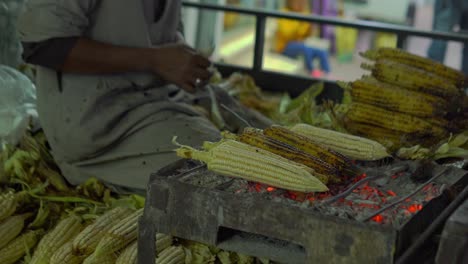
447,14
290,37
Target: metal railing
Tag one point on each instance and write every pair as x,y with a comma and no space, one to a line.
402,32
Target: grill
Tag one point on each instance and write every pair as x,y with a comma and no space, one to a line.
371,219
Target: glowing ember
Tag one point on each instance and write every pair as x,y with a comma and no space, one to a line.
391,193
271,189
378,218
360,177
414,208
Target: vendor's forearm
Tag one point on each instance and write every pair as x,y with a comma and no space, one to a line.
92,57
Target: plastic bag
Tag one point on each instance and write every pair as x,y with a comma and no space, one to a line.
10,46
17,105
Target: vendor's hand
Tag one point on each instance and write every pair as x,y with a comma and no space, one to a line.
181,65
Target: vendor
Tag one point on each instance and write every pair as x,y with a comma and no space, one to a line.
290,37
115,83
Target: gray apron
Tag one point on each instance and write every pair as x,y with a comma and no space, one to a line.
117,128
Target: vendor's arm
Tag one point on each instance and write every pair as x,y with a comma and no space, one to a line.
55,42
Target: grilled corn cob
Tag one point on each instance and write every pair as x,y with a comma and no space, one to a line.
412,78
63,232
129,254
119,236
162,242
65,255
401,56
236,159
171,255
21,245
391,97
352,146
256,139
87,240
389,138
11,228
313,148
377,116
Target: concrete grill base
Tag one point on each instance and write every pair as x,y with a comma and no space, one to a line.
250,224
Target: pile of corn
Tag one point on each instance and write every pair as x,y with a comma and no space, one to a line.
408,100
303,158
45,220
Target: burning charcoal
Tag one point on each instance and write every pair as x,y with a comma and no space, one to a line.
423,172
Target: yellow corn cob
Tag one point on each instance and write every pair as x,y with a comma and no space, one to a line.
87,240
11,227
236,159
64,231
8,204
119,236
256,139
162,242
413,60
412,78
352,146
377,116
21,245
65,255
52,176
391,97
313,148
171,255
129,254
103,259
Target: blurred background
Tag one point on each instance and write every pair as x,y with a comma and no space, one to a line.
234,34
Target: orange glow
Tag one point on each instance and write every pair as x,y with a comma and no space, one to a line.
414,208
391,193
378,218
360,177
258,187
271,189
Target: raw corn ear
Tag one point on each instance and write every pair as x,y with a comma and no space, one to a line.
237,159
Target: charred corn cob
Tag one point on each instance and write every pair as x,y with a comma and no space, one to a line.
428,65
412,78
103,259
87,240
129,254
256,139
352,146
65,255
391,97
11,228
21,245
313,148
119,236
377,116
64,231
171,255
389,138
162,242
8,204
236,159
